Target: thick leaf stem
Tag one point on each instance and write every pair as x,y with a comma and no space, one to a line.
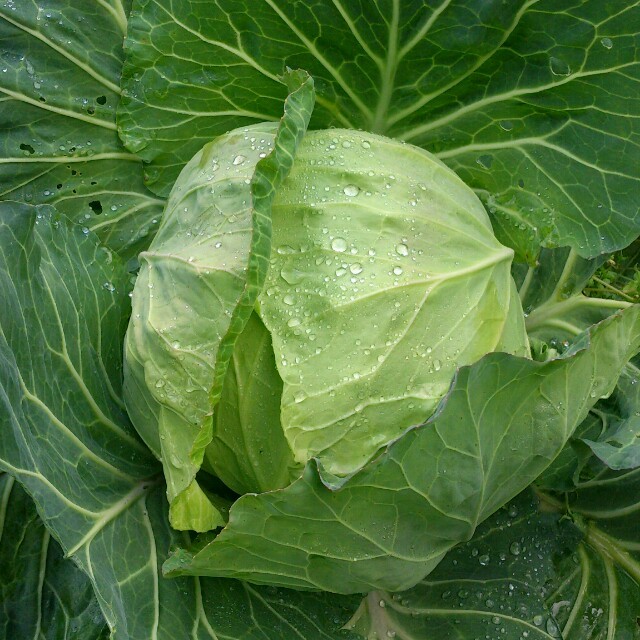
609,548
379,123
526,283
550,312
569,266
118,13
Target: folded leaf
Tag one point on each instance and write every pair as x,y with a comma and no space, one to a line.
384,278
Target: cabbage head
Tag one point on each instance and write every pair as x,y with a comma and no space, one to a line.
320,318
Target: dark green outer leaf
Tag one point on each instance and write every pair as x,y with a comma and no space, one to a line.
597,592
42,595
545,129
65,434
532,102
390,524
493,586
619,444
66,439
59,88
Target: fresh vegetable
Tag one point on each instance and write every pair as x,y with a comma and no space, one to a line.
363,227
319,320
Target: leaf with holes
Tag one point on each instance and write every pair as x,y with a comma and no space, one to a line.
59,89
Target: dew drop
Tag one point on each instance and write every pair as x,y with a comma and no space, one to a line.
292,276
515,548
507,125
552,628
607,43
397,271
288,300
351,190
485,161
355,268
339,245
238,160
559,67
366,144
402,249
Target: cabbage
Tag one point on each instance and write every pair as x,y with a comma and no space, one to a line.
322,328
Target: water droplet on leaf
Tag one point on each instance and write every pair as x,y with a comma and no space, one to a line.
559,67
339,245
485,161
